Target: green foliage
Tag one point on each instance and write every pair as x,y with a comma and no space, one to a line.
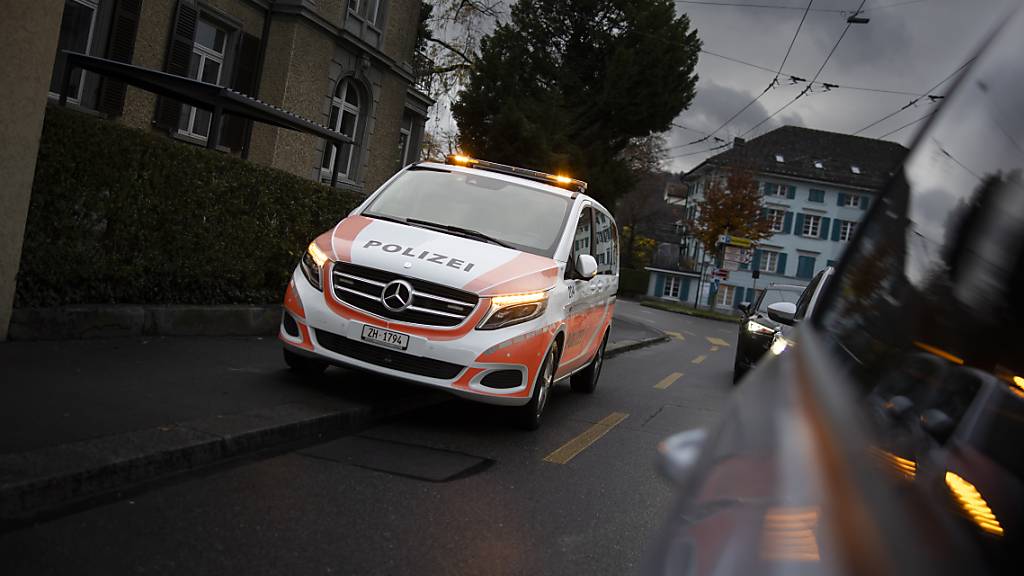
690,311
119,215
568,85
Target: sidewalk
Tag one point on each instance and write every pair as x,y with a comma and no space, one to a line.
86,417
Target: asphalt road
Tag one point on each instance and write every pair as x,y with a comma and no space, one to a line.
452,489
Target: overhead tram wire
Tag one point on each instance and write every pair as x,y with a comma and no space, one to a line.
911,123
782,7
918,99
771,84
813,80
826,85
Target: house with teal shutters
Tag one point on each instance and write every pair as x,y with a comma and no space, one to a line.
816,187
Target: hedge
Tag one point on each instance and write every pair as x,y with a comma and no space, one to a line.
121,215
633,282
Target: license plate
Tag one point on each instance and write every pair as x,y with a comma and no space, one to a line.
385,337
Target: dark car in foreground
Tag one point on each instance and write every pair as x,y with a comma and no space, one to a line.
887,438
757,330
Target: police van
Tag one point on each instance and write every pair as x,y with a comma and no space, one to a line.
490,281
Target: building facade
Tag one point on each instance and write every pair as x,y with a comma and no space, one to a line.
345,64
816,187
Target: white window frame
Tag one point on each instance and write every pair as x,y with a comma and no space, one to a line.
769,261
94,6
723,290
404,136
338,100
368,10
777,217
673,284
851,201
780,190
846,230
812,226
205,54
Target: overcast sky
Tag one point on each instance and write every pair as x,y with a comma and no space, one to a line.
908,46
904,48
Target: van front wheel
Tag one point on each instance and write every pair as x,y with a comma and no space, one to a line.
585,381
528,416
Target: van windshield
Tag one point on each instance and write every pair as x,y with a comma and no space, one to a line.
521,217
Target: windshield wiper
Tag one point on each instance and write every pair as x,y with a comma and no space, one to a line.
382,217
458,230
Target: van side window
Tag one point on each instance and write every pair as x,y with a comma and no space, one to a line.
605,250
582,239
805,298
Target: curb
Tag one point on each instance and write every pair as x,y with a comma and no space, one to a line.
72,474
622,346
120,321
690,314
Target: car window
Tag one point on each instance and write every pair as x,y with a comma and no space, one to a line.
605,250
927,308
771,296
583,235
807,296
525,218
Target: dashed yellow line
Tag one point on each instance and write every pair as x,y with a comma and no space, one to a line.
717,341
699,359
570,449
715,348
668,380
675,335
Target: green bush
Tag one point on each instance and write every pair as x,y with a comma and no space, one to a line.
633,282
119,215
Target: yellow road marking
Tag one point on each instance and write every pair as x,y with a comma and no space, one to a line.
570,449
668,380
699,359
716,341
715,348
675,335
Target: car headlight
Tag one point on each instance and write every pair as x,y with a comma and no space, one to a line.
312,265
512,309
758,328
779,344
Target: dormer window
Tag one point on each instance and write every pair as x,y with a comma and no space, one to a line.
855,169
779,158
819,165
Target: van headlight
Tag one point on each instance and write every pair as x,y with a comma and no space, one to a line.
511,309
312,265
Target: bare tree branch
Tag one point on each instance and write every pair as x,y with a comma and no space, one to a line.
451,49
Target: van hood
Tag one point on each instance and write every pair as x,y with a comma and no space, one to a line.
478,267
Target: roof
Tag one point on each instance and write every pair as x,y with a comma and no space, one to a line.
800,148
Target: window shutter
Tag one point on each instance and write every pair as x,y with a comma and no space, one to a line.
823,233
791,192
751,295
737,296
120,47
684,293
179,54
864,202
840,199
837,227
781,269
787,223
233,135
659,284
756,262
799,225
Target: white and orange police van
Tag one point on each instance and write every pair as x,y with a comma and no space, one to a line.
490,281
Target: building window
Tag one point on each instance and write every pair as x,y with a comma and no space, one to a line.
404,137
207,65
779,158
846,229
812,225
769,261
772,189
851,200
368,10
819,165
855,169
345,106
725,296
777,218
76,30
672,286
816,195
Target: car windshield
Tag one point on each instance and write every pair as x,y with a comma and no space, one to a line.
519,216
772,295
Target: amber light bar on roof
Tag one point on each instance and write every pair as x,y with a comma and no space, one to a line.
555,180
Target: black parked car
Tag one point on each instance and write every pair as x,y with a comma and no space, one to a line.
757,330
888,439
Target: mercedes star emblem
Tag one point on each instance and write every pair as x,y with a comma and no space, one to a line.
397,295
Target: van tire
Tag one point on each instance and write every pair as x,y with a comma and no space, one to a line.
585,381
529,415
302,365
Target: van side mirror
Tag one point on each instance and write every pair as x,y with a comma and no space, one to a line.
782,312
745,308
586,266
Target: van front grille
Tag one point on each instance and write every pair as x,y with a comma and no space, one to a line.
431,305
